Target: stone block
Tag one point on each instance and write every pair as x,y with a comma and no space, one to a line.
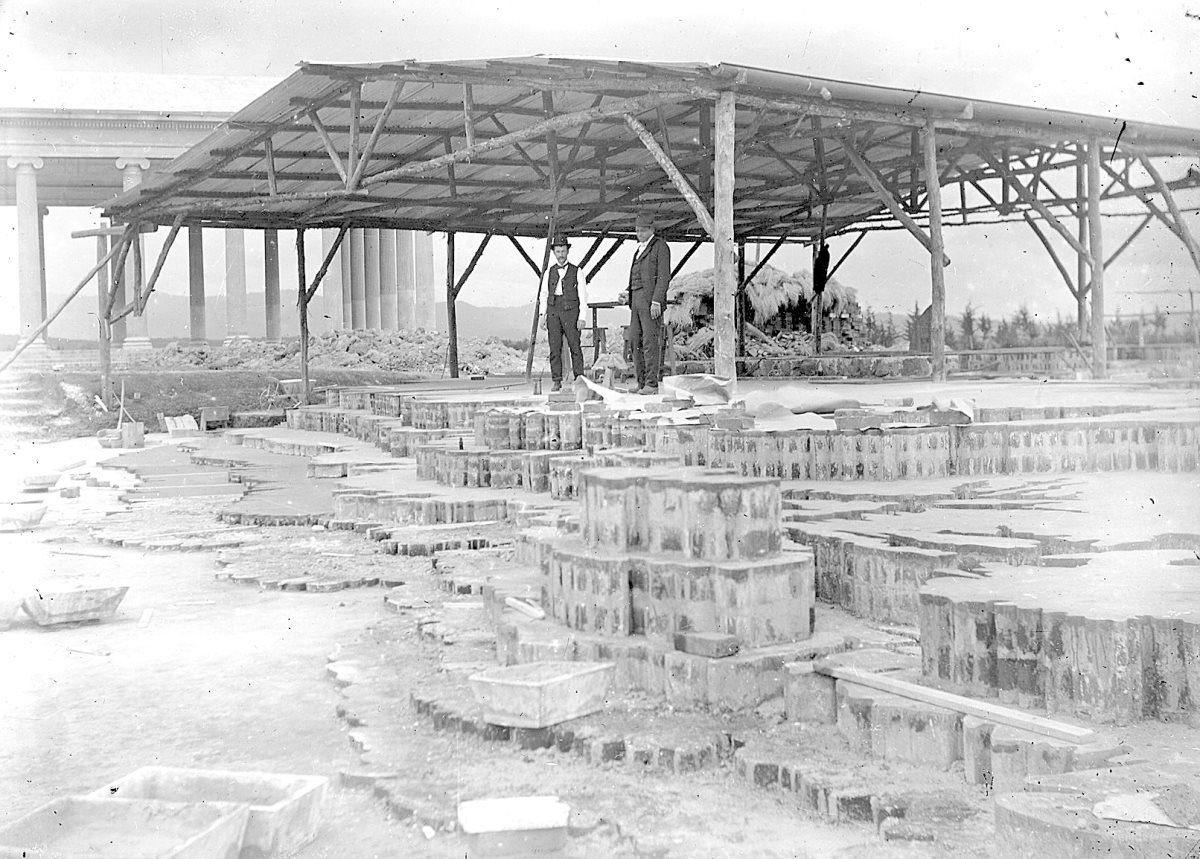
714,645
808,696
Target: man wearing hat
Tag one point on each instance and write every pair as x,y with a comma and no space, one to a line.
566,304
649,277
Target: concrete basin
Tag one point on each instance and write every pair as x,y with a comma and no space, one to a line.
77,827
540,694
285,810
20,515
73,606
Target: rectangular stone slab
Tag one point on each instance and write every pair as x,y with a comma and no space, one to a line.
73,606
541,694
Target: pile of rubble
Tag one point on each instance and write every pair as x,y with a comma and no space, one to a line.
418,352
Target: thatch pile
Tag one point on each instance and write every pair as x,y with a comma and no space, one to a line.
771,291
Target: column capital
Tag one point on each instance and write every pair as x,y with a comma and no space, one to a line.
16,162
126,163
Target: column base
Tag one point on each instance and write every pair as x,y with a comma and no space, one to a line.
137,344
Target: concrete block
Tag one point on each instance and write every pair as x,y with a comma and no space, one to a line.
285,810
808,696
514,826
714,645
541,694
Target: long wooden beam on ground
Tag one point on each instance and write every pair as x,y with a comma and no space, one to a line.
864,169
677,178
537,129
968,706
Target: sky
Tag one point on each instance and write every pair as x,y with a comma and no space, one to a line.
1130,60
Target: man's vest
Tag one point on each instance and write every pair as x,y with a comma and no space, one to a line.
569,300
641,276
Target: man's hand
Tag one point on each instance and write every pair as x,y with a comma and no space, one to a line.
655,310
542,322
582,323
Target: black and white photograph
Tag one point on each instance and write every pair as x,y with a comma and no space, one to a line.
693,430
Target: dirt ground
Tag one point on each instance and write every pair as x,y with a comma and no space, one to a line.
204,673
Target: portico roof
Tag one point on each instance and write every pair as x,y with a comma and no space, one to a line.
505,145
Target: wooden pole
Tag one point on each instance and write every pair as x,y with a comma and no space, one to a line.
462,281
725,275
1081,260
302,297
1183,231
537,300
1096,248
740,304
105,333
677,178
608,254
37,332
937,316
144,296
451,314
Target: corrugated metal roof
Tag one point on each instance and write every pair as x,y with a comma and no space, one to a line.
792,132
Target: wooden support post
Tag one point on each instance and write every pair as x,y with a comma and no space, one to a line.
537,301
724,272
272,183
302,297
451,313
468,114
104,332
1081,260
740,298
677,178
1096,247
705,179
937,316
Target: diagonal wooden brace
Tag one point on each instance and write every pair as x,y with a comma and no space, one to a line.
677,178
868,173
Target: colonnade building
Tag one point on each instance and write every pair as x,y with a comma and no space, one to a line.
54,155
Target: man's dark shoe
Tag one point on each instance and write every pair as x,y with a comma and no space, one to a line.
557,387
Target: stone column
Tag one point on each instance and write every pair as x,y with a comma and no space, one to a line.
197,327
358,289
371,276
426,292
406,295
137,330
235,286
347,310
29,261
43,211
271,282
331,284
388,308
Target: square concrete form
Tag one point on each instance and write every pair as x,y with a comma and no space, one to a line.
20,515
78,827
285,810
74,606
516,826
541,694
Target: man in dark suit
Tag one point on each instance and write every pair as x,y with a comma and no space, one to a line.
649,277
566,300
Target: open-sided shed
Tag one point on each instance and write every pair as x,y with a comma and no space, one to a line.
720,153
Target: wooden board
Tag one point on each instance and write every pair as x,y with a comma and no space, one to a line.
968,706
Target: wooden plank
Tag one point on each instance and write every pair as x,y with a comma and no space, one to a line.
959,704
725,277
677,178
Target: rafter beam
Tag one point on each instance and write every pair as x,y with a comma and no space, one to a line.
330,148
369,150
